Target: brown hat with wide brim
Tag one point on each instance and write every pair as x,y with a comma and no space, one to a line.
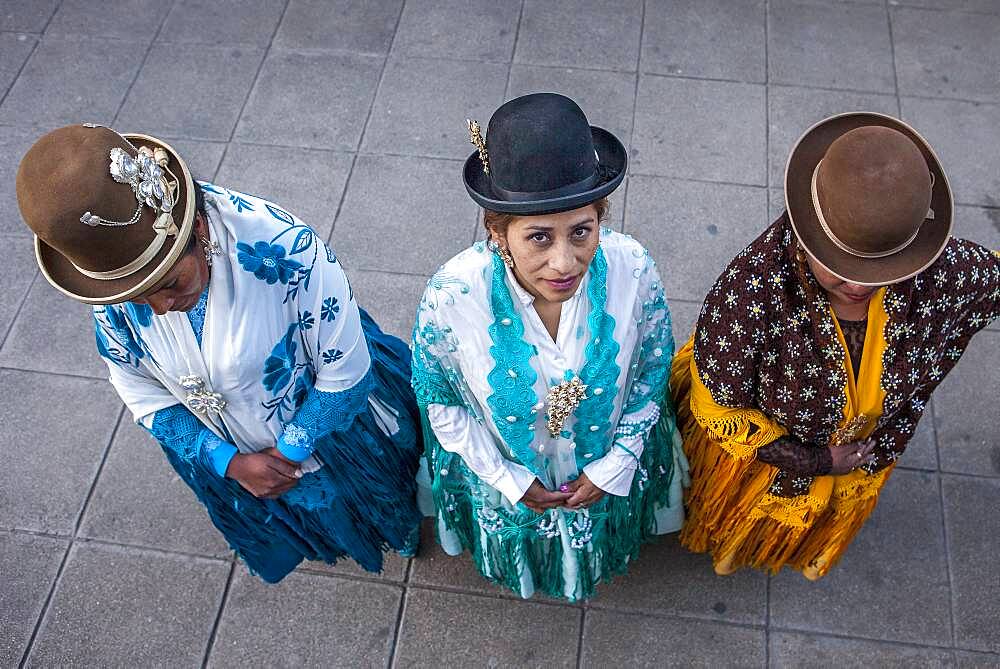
100,238
868,198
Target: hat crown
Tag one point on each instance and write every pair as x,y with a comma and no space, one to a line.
540,142
874,188
64,175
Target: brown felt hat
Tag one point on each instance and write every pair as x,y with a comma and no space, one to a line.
868,198
111,213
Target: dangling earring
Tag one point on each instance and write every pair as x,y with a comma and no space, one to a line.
211,248
504,254
800,255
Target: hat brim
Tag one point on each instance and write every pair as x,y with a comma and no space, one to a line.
65,277
611,158
915,258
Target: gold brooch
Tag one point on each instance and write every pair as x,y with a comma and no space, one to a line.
850,431
476,137
562,400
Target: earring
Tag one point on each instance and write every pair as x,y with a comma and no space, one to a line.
800,255
504,254
211,248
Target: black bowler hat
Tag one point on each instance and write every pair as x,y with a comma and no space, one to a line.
541,156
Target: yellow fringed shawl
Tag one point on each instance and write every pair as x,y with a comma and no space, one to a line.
732,514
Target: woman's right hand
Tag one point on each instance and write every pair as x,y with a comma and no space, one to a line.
850,456
540,500
262,475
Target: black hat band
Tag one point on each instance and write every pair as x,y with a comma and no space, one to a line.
569,189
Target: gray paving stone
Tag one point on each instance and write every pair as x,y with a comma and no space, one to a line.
28,563
892,584
973,527
202,158
311,100
775,203
416,207
792,110
16,274
219,22
56,430
684,318
422,105
393,568
970,660
434,567
958,131
966,443
833,46
607,98
72,81
306,182
467,630
122,19
709,130
68,344
983,6
476,29
307,620
947,54
139,499
812,651
619,639
123,607
669,579
580,33
705,38
14,143
26,15
186,99
14,50
365,27
391,299
693,229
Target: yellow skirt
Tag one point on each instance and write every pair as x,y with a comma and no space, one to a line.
732,516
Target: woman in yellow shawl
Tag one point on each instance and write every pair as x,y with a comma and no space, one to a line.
818,347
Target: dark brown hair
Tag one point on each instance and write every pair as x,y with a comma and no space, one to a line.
495,220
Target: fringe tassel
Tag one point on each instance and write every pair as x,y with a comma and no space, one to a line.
620,524
732,515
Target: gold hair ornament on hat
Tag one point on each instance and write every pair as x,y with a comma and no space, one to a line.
476,138
146,174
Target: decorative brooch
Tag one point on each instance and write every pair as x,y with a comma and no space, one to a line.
199,398
562,401
849,432
145,174
476,138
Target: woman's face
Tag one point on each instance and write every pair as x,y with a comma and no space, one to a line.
183,285
839,290
552,252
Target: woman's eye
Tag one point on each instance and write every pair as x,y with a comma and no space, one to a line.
539,238
581,233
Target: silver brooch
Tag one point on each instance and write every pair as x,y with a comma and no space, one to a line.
145,174
199,398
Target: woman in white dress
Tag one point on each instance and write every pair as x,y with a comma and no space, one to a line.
232,334
540,364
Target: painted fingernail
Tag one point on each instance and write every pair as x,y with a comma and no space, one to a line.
298,473
564,488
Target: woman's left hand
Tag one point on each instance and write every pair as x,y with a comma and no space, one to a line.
584,492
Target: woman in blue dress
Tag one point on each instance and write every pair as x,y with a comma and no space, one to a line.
231,333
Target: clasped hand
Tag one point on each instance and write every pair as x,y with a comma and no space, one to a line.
578,494
266,474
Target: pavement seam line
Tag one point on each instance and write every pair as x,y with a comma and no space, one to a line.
218,616
142,64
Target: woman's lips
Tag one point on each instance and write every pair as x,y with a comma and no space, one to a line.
562,284
856,298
